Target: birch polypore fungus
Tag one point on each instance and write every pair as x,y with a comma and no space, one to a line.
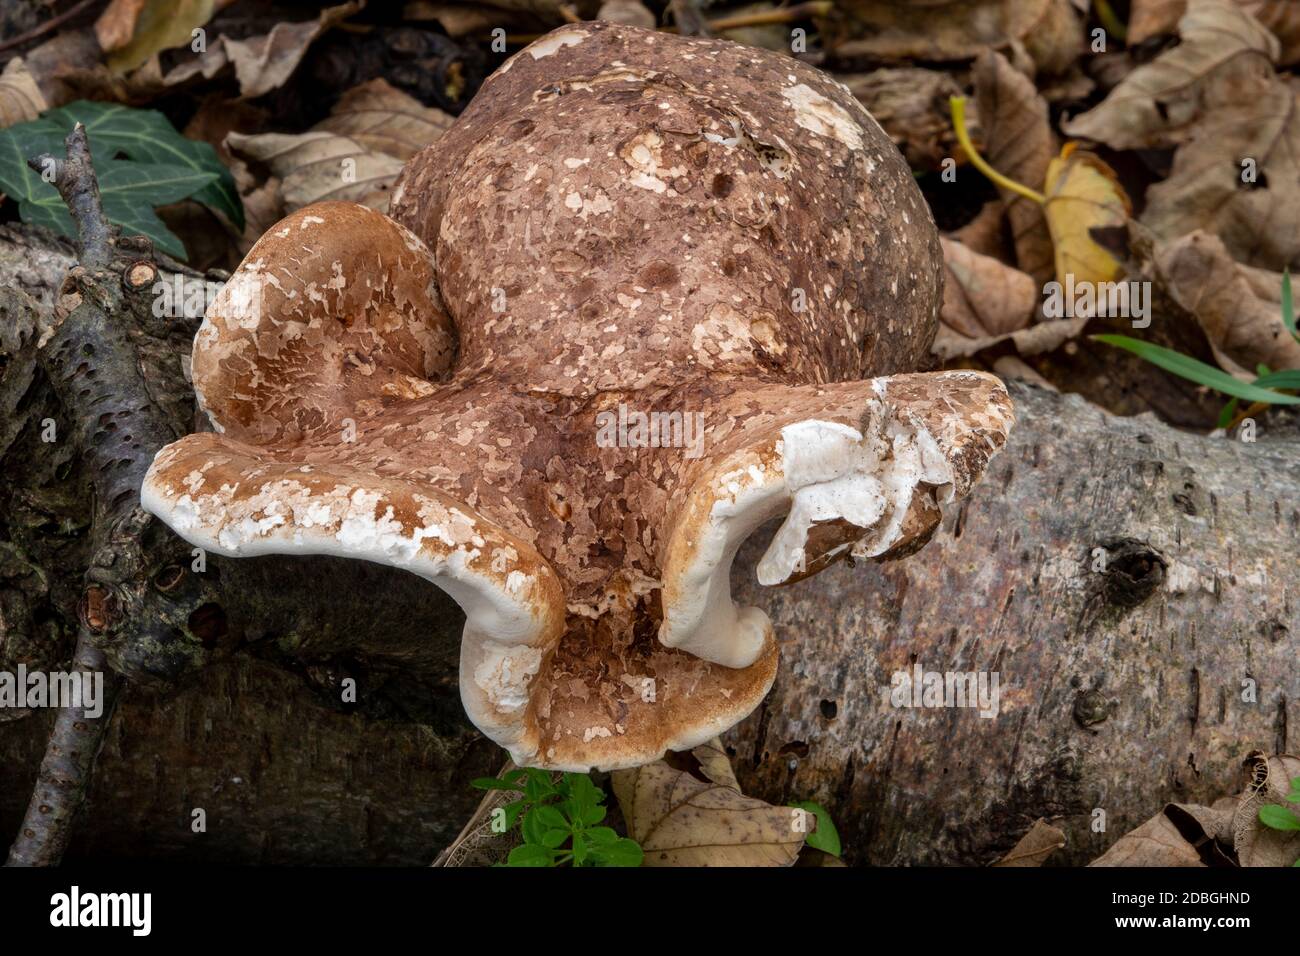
627,310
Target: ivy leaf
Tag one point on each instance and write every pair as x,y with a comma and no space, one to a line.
554,838
532,828
144,136
129,192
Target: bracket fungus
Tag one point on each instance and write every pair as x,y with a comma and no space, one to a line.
646,294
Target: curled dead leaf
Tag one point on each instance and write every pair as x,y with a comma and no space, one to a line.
1238,175
263,63
1182,835
1150,18
1035,340
132,31
20,97
1158,104
1018,142
982,296
1238,307
385,120
1268,785
1083,194
699,817
1034,847
318,166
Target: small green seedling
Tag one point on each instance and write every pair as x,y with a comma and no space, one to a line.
1283,818
558,821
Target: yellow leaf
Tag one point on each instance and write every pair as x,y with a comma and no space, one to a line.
154,26
1082,194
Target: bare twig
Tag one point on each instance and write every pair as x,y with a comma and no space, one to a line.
92,362
74,178
51,24
66,768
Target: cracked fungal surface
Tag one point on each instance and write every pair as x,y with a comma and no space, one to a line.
622,223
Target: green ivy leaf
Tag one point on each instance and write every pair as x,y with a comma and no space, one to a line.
825,838
146,136
532,828
1196,371
554,838
129,191
601,836
1278,818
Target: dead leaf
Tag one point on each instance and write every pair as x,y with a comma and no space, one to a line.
20,97
1018,143
263,63
1158,104
1083,194
116,25
984,234
133,31
957,29
1259,222
983,296
1151,18
911,104
1034,847
1035,340
318,166
684,819
1257,844
1237,306
1182,835
386,120
263,208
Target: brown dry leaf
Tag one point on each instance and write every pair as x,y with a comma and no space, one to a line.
116,25
1035,340
1034,847
458,19
1180,835
263,63
20,98
386,120
1237,306
983,296
1259,222
1018,143
684,819
1256,844
960,29
1083,194
318,166
1158,105
263,208
984,233
1151,18
912,105
148,28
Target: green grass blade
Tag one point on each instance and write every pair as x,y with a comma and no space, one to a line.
1184,366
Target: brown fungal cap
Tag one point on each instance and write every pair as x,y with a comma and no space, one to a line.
623,226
